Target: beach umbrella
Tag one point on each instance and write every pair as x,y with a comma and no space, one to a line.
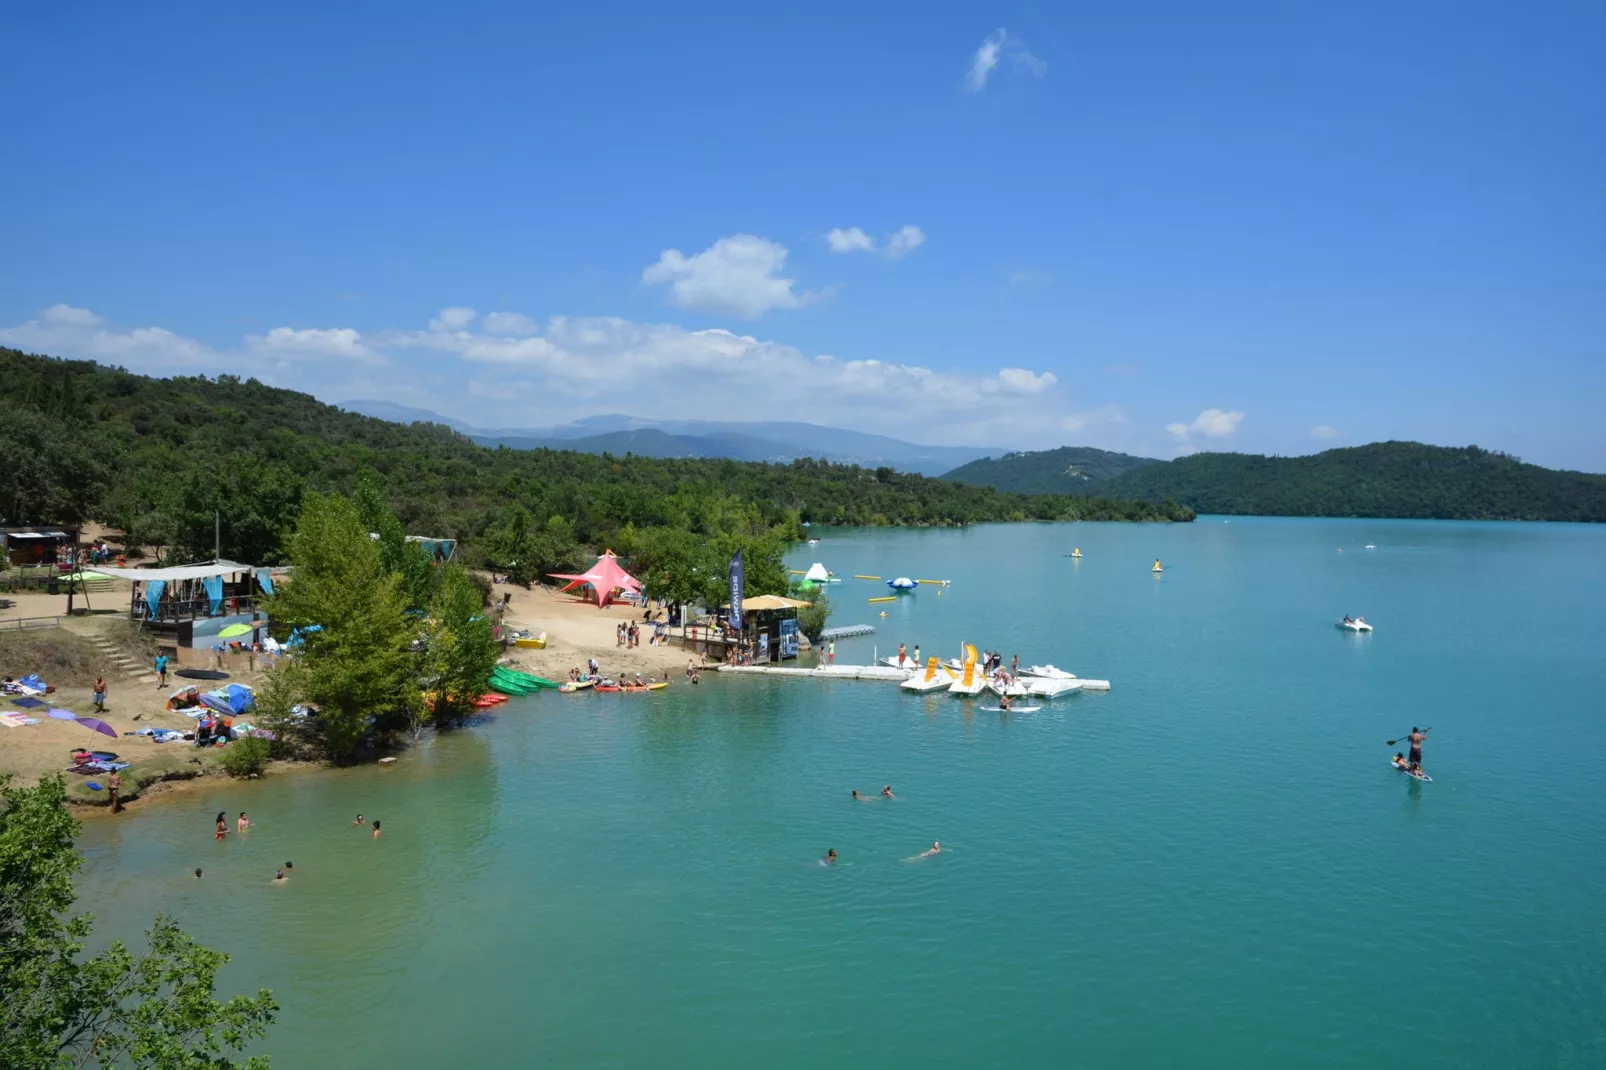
100,726
235,630
63,715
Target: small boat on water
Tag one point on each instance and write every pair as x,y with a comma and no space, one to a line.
1371,546
1042,687
1354,624
970,681
1047,672
936,677
1076,552
1157,566
576,685
639,689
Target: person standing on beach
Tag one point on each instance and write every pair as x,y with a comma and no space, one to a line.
161,671
114,787
100,694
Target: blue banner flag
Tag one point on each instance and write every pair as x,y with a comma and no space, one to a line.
736,591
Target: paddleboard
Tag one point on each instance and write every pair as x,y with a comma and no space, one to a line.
1403,769
1013,709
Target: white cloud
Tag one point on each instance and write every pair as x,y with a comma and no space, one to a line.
1325,431
1023,381
338,343
899,243
453,319
1212,423
850,240
995,46
510,323
736,276
62,330
66,315
905,241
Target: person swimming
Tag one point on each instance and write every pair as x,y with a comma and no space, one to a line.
861,798
279,877
222,825
886,792
197,872
376,830
358,821
288,866
936,848
244,822
830,858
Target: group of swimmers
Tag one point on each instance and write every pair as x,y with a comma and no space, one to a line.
243,824
886,793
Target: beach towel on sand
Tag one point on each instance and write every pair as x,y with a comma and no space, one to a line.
26,702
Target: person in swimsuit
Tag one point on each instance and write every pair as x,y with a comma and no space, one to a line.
376,831
222,825
1417,736
279,877
100,694
861,798
830,858
1003,702
242,824
936,848
197,873
358,821
886,792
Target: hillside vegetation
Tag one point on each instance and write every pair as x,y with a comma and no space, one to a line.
1067,470
157,457
1384,479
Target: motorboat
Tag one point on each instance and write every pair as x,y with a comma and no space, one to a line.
1047,672
814,542
971,681
1042,687
903,584
1371,546
1354,624
936,677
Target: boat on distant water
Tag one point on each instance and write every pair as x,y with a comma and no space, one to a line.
1076,552
1157,566
1354,624
1371,546
936,677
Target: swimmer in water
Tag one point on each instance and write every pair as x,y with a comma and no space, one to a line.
861,798
288,866
936,848
376,831
279,877
886,792
197,872
222,825
830,858
244,822
358,821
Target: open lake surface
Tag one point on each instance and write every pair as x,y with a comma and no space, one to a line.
1212,865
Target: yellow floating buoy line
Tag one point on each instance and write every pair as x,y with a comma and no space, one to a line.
796,572
886,598
939,583
858,577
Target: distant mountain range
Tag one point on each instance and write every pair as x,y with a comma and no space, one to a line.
1067,470
1384,479
776,441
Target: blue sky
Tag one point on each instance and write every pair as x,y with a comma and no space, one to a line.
1265,227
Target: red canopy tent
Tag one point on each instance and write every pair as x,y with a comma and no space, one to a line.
605,577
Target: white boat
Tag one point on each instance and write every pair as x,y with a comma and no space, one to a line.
1356,624
970,681
1043,687
1371,546
1014,690
936,677
1047,672
908,664
814,542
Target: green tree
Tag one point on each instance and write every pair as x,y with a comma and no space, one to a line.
396,554
461,649
153,1009
358,669
510,546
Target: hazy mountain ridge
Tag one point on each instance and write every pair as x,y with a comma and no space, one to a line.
1067,470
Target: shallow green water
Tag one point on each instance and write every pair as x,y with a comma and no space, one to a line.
1211,865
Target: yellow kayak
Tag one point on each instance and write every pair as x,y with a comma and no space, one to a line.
538,643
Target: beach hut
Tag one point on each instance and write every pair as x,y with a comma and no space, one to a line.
606,578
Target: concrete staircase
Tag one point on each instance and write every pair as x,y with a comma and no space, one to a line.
124,665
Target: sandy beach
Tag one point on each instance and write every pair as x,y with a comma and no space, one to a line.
576,631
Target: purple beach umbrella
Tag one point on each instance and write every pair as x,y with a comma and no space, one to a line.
100,726
63,715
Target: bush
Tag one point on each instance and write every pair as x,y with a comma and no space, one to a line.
811,618
245,757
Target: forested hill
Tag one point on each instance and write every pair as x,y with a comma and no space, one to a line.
156,457
1067,470
1384,479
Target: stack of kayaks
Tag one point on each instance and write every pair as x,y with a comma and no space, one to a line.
512,682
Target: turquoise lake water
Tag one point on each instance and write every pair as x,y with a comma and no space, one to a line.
1212,865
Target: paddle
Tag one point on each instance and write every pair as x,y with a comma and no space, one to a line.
1391,742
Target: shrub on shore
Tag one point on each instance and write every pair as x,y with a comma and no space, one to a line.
246,757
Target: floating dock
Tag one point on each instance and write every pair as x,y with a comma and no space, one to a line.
859,672
846,631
